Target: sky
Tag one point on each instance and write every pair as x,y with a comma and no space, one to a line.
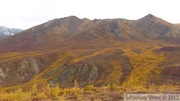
25,14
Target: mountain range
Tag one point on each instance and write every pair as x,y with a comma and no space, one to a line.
139,52
5,32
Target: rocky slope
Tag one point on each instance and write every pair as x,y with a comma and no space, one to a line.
158,29
104,51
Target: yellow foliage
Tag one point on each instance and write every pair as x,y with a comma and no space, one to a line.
55,91
49,93
90,88
144,64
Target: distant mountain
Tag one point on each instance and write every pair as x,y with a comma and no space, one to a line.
102,51
4,31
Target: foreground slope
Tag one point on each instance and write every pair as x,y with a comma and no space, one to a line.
143,52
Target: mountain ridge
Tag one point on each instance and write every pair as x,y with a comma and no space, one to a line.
65,28
101,51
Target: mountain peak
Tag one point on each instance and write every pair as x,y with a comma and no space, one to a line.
150,16
71,17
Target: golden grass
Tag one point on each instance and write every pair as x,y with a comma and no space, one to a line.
55,93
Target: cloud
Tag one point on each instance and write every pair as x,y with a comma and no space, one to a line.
27,13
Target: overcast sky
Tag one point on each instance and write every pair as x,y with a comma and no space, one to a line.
28,13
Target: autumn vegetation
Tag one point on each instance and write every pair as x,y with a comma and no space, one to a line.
76,59
89,92
39,89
